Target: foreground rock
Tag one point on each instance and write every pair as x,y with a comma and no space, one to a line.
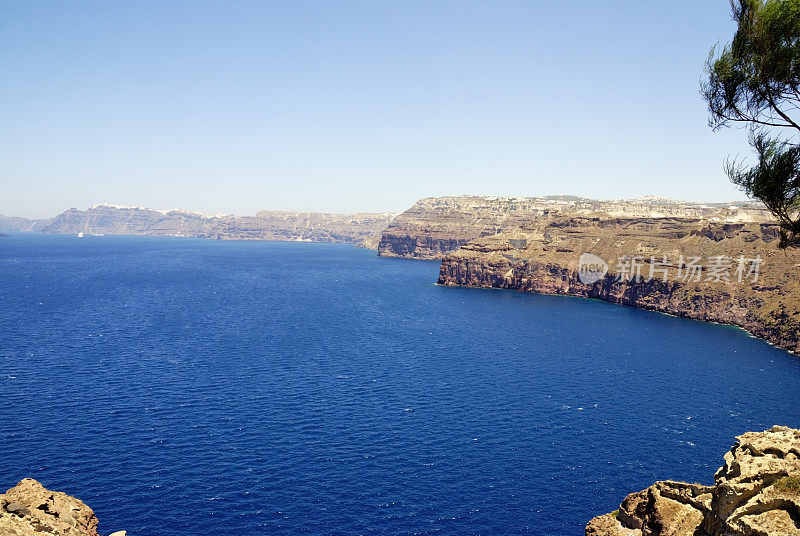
756,493
29,509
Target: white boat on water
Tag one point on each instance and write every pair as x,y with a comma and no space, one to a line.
80,235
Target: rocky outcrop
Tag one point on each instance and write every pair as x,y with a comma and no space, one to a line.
436,226
755,493
265,225
28,509
544,258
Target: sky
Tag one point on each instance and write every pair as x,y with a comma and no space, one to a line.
345,106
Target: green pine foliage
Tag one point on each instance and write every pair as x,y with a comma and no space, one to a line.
755,81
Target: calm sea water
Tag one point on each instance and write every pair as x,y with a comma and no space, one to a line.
188,387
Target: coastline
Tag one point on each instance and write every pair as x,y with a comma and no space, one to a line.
765,311
576,296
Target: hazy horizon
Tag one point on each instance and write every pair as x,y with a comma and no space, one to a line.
355,107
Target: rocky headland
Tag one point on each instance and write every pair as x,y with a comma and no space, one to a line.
29,509
265,225
687,259
755,493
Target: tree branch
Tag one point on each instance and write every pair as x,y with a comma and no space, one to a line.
774,106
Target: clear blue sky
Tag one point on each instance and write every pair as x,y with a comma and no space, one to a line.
354,106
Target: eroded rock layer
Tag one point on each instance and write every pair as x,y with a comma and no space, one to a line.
755,493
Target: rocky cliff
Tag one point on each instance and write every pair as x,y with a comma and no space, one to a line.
28,509
436,226
684,267
265,225
755,493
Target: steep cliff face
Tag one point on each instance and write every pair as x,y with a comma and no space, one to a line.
545,259
436,226
398,243
28,509
266,225
755,493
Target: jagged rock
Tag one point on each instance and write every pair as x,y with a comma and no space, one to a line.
29,509
756,493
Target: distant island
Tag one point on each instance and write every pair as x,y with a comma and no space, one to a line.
106,219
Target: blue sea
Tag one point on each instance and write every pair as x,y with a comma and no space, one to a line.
190,387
